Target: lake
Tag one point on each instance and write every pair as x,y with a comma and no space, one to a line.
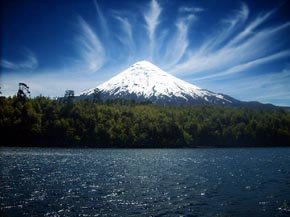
145,182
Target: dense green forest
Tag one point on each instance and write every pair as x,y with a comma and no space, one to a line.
69,123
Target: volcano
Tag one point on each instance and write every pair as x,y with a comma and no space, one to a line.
144,81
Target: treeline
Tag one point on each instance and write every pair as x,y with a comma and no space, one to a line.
68,123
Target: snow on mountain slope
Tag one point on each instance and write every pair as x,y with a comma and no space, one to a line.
145,81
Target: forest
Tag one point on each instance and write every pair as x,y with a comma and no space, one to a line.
44,122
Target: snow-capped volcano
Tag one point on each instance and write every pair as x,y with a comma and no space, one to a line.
145,81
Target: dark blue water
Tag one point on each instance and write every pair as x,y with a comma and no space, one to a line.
159,182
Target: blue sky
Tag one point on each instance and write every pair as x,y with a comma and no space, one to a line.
240,48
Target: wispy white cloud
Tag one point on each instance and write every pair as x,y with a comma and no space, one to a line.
102,19
257,62
249,30
249,65
178,44
127,29
30,62
152,21
213,57
9,65
229,26
184,9
126,26
126,37
267,87
89,47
